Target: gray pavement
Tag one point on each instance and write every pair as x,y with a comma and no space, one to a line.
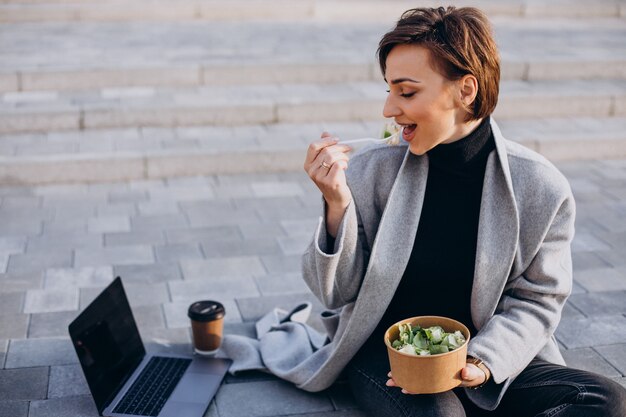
173,150
236,238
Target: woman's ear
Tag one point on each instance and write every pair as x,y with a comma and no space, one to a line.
468,89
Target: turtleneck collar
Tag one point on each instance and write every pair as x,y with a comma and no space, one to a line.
467,155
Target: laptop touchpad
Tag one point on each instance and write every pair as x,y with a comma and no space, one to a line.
176,409
196,388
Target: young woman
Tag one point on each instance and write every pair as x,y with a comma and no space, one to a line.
457,222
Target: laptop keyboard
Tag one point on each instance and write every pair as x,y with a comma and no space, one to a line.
151,390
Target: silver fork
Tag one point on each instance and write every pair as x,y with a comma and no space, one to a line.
393,139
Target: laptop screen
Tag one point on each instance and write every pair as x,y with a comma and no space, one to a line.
107,343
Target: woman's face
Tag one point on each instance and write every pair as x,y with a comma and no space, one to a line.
425,103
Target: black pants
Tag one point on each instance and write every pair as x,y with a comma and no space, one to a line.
542,390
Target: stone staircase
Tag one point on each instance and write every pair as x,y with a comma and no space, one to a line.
102,91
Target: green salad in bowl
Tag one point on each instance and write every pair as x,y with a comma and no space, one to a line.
419,341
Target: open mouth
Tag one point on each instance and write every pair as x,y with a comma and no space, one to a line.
408,130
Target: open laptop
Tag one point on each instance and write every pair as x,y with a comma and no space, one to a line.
123,379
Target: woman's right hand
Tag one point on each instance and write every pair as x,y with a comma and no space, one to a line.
326,162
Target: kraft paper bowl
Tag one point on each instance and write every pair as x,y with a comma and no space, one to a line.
427,374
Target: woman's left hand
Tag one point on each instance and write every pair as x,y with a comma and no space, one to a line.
471,376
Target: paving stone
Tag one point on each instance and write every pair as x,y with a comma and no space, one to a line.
65,240
571,312
11,303
11,245
13,326
145,274
578,289
108,224
32,262
50,300
71,278
252,309
128,196
67,381
159,222
40,352
116,209
268,398
154,208
579,333
21,201
282,264
256,246
176,313
605,279
138,294
177,252
584,242
616,258
50,324
198,192
261,230
203,234
4,345
589,360
80,406
117,255
247,329
234,266
16,282
300,227
14,408
213,287
12,226
148,316
600,303
295,245
67,225
210,215
281,283
588,260
23,384
143,237
275,189
4,261
615,355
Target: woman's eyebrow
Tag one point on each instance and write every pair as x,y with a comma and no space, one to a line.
401,80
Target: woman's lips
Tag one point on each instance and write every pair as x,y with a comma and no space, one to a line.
408,132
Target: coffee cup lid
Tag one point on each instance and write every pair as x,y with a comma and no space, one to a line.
206,310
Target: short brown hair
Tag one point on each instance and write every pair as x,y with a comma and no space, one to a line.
460,42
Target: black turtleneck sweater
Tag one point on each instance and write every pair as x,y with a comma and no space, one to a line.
438,278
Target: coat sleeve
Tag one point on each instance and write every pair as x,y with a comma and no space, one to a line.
335,274
530,307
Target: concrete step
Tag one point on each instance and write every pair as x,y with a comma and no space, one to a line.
275,103
241,10
99,55
149,153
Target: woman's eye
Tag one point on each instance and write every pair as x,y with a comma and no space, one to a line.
407,95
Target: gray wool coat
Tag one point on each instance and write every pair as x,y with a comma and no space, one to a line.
523,271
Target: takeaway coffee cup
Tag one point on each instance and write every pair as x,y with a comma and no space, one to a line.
207,325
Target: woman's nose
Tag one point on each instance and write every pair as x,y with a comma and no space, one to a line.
390,109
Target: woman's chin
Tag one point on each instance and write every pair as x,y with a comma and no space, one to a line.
415,149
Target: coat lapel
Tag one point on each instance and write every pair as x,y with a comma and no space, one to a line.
498,231
394,241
